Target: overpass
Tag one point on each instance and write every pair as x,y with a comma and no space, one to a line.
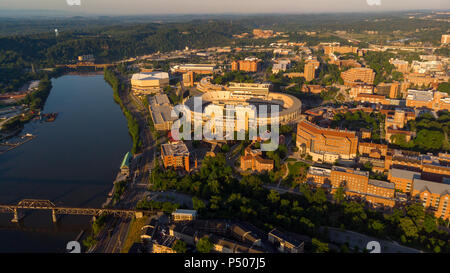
35,204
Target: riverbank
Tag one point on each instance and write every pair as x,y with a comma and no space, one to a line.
133,126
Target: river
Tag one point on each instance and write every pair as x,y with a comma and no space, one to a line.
71,162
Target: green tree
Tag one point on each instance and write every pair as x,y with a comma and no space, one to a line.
408,227
339,195
319,247
198,203
179,246
273,196
204,245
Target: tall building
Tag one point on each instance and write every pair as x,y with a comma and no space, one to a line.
247,65
175,155
310,69
390,90
326,145
188,79
357,76
445,39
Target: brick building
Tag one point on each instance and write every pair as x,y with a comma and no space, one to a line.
247,65
175,155
326,144
355,183
373,150
252,159
403,179
337,48
433,196
360,89
357,76
433,100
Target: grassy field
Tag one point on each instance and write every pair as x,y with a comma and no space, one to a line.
134,233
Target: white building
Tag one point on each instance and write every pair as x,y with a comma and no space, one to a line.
149,82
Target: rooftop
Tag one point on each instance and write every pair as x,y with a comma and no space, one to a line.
175,149
433,187
405,174
185,211
156,75
126,160
420,95
350,170
160,109
382,184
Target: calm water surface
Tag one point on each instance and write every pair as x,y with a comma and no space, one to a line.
71,162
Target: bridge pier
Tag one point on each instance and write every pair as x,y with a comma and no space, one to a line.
17,216
54,216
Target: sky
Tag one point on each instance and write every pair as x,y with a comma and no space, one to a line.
132,7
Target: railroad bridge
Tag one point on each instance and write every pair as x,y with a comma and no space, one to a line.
35,204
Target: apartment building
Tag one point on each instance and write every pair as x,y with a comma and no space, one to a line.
373,150
433,196
355,183
432,168
403,179
357,76
372,98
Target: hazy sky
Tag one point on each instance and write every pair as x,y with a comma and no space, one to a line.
222,6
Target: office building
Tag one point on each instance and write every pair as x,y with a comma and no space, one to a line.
175,155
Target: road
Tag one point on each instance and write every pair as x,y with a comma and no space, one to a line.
114,233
